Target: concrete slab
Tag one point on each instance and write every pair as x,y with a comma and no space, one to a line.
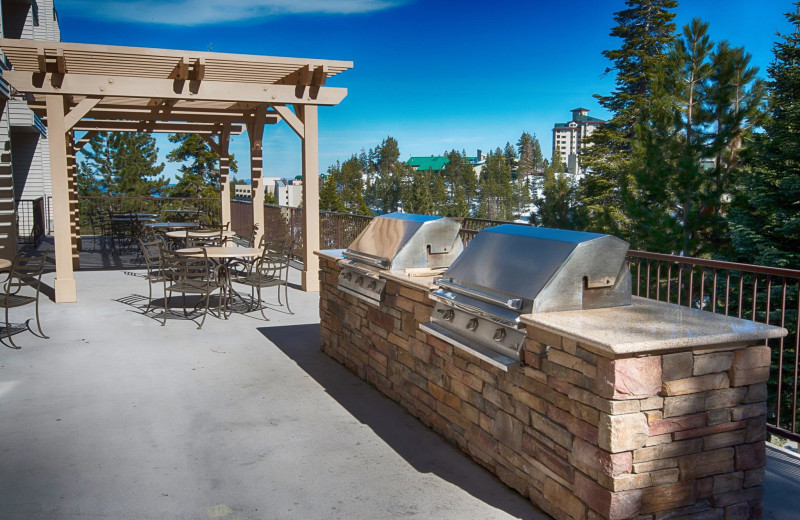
118,417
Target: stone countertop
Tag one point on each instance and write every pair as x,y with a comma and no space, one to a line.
649,326
424,283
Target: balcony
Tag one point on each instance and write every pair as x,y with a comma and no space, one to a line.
119,417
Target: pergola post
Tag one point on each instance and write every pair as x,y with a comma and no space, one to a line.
74,208
65,286
224,174
308,115
255,131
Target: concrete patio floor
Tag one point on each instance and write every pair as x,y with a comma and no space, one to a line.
117,417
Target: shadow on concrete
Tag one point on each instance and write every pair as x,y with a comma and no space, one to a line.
425,450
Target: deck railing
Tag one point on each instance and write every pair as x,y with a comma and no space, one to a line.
758,293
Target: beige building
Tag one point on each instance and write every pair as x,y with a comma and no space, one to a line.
569,137
24,149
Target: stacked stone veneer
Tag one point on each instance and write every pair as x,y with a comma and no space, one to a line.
678,435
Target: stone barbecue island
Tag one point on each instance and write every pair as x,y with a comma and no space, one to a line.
648,411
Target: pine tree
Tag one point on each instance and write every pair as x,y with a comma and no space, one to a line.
123,164
765,223
495,188
329,199
556,207
199,172
646,30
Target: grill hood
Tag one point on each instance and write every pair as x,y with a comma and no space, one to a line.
398,241
529,269
395,242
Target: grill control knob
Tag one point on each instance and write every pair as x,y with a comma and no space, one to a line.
360,280
449,314
472,325
372,285
499,334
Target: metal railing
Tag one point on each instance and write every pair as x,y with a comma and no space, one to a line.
93,205
31,221
758,293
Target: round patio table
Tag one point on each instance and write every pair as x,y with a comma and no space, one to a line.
4,264
224,255
169,226
198,233
134,218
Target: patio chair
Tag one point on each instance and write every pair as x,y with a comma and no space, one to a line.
150,250
187,275
26,271
271,269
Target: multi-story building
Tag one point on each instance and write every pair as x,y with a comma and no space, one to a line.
569,138
24,150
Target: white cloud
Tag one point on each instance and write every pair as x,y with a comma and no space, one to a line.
203,12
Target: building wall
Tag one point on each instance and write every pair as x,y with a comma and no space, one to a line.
570,139
27,148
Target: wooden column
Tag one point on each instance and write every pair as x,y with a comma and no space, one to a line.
65,286
74,208
255,132
311,243
224,174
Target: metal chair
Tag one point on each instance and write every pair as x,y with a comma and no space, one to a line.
187,275
271,269
26,271
151,253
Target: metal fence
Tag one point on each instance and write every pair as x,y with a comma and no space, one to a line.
758,293
209,207
31,221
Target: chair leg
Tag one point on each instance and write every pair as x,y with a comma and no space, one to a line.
166,305
149,296
208,297
8,333
39,323
286,295
260,306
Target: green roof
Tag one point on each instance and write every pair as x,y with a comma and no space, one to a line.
432,163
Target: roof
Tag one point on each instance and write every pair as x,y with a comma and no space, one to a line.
434,162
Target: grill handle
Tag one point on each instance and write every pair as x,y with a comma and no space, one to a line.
380,263
509,303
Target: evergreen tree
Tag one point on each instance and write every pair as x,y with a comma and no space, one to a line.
329,199
88,184
199,172
351,186
439,194
646,30
556,207
123,164
495,188
460,184
531,161
390,175
765,223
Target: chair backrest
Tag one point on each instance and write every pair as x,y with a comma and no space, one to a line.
151,252
26,270
195,270
274,259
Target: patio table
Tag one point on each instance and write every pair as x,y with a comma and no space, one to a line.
224,256
198,233
4,264
170,226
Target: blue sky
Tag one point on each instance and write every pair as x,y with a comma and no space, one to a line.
433,74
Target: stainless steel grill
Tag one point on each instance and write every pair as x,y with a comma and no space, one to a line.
510,270
396,242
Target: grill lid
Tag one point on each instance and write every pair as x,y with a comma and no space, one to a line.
397,241
530,269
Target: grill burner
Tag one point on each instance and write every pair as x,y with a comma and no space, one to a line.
510,270
395,242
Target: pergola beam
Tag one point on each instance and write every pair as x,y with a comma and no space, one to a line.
135,87
154,127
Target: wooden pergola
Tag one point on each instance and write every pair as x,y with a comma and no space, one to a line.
92,88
